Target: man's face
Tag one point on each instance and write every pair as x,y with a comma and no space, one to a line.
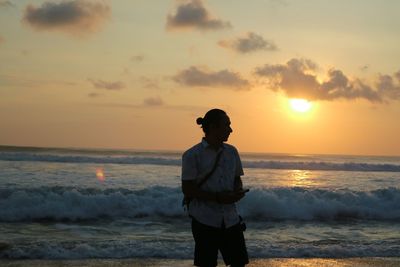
224,128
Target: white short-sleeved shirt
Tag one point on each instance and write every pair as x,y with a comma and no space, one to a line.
196,163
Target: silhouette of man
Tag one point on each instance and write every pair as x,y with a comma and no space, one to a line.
216,166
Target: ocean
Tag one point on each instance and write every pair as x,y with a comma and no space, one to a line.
117,204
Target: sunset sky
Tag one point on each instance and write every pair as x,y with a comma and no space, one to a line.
136,74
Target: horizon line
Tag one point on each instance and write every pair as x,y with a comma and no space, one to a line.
181,151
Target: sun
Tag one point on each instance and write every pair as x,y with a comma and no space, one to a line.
300,105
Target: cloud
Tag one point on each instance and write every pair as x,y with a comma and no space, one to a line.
153,101
75,17
364,67
193,14
1,40
93,95
187,108
389,86
138,58
297,79
397,75
5,3
25,52
99,84
249,43
150,83
198,77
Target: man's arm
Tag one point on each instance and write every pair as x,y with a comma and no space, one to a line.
238,185
190,189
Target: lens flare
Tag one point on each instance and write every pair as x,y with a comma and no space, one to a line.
100,174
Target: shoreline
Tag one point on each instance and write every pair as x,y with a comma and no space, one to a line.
274,262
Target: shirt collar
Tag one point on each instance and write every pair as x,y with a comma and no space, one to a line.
205,144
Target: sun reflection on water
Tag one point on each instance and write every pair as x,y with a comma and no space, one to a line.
301,178
100,174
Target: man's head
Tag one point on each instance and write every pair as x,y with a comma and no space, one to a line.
216,125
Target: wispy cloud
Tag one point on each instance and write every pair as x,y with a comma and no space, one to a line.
75,17
93,95
249,43
200,77
25,52
153,101
5,3
297,79
193,15
150,83
137,58
99,84
188,108
364,67
149,102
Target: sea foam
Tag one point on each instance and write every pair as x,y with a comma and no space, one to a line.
260,204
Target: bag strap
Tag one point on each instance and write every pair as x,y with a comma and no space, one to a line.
186,201
212,170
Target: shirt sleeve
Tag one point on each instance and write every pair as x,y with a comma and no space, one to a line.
239,168
189,169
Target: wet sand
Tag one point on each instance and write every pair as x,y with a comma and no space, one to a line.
279,262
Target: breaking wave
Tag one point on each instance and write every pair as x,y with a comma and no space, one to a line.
72,204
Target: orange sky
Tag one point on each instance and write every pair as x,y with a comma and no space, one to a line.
136,74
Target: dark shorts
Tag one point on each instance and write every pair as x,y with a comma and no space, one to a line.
208,240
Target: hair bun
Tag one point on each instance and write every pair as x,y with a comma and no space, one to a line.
199,120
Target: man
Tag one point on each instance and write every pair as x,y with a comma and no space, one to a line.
211,180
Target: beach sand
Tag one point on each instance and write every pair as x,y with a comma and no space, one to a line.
280,262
